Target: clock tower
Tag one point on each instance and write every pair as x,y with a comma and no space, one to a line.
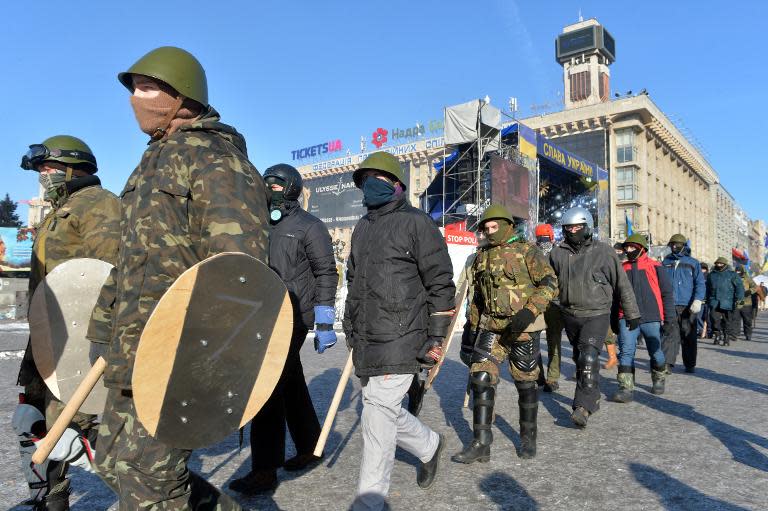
585,50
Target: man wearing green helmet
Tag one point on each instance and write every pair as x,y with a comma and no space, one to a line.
400,303
193,195
84,222
514,284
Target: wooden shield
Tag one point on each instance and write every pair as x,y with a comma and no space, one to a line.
59,314
212,351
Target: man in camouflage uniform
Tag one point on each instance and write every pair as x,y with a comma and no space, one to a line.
744,307
193,195
513,286
84,222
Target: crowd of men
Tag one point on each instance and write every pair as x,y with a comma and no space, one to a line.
194,194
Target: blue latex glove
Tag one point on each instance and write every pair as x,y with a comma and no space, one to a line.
325,337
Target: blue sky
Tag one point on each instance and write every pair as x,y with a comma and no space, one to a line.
293,74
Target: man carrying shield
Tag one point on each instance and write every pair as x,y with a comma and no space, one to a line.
194,194
83,222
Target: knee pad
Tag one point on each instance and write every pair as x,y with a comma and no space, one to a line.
481,381
588,367
484,346
525,355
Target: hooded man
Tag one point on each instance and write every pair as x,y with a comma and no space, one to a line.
399,306
301,253
690,289
84,222
724,290
589,276
194,194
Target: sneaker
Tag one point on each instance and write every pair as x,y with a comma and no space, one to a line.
428,471
256,482
579,417
302,461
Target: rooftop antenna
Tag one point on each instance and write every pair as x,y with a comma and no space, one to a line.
581,18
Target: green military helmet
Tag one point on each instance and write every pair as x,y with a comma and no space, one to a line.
677,238
721,260
638,239
383,162
64,149
174,66
496,212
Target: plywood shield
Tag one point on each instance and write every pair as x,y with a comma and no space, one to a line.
59,313
212,351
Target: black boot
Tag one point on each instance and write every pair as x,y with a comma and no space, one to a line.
484,394
57,499
528,403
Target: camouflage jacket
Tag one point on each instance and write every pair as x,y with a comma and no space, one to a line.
193,195
86,225
507,278
750,288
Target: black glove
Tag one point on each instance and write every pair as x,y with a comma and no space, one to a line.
520,321
633,323
432,352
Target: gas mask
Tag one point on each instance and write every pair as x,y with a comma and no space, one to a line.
276,198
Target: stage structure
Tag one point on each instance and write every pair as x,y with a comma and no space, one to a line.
485,162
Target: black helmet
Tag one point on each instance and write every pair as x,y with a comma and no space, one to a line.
289,177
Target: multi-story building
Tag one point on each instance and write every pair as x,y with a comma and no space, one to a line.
658,179
724,221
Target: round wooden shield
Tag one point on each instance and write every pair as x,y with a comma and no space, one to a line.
59,314
212,351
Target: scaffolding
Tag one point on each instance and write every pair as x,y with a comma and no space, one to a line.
474,141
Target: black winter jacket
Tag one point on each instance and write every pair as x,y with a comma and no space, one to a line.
589,278
398,273
301,253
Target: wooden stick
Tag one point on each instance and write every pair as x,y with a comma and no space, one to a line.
46,445
334,407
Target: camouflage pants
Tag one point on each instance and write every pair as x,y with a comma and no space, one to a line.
147,474
499,353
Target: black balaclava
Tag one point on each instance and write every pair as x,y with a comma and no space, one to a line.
577,238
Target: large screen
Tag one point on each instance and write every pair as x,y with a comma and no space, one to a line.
576,41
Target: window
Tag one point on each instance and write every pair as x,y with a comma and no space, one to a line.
625,192
625,176
625,145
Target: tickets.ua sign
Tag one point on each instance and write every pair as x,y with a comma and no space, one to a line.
317,150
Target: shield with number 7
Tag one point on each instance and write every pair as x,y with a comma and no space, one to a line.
212,351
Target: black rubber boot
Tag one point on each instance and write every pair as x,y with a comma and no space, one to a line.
528,403
626,377
428,471
658,375
484,394
57,499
